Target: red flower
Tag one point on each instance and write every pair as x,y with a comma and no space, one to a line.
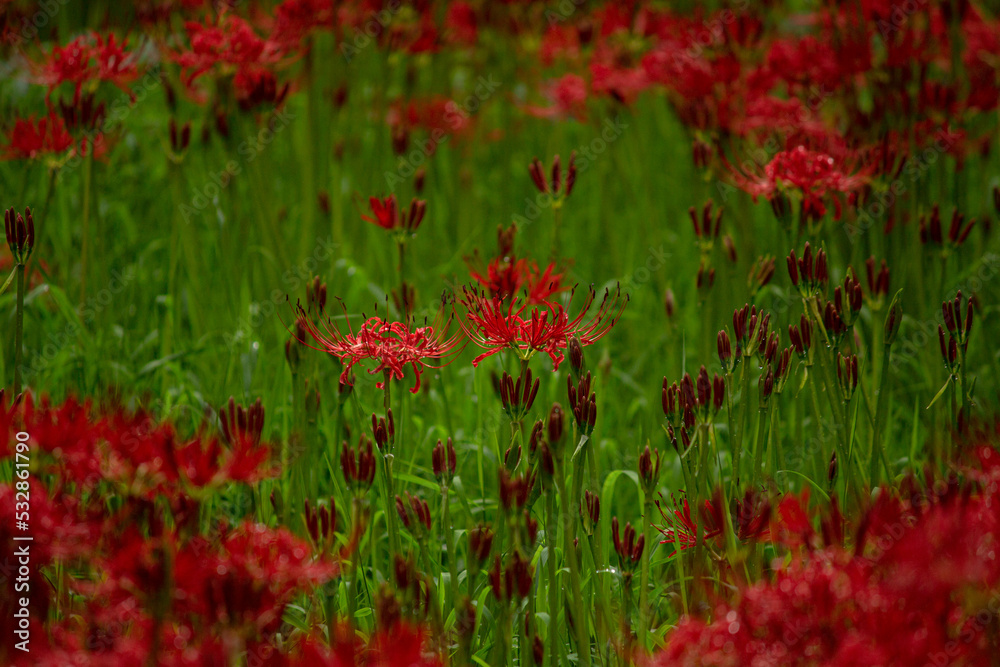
460,23
30,139
386,214
507,277
90,57
495,324
682,530
811,174
256,86
294,20
230,46
391,344
567,96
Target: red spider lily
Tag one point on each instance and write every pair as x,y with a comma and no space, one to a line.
682,530
231,46
460,23
751,517
567,96
295,20
256,86
439,116
901,595
30,139
238,579
391,344
140,457
812,175
496,325
92,57
508,277
386,214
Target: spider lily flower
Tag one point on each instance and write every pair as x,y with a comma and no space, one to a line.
393,345
931,231
627,546
496,325
506,275
555,188
88,58
760,274
848,300
444,461
847,374
20,232
386,214
801,337
518,397
321,523
878,282
682,530
954,349
811,175
229,47
415,515
808,275
358,465
239,424
583,403
30,139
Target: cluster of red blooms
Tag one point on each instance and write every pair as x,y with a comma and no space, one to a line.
133,453
911,582
780,112
497,325
508,275
148,578
393,345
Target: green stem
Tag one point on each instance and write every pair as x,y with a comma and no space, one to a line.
88,164
18,329
760,442
647,509
579,613
742,423
556,224
880,407
449,541
550,562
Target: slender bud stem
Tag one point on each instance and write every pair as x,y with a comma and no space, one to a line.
18,329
